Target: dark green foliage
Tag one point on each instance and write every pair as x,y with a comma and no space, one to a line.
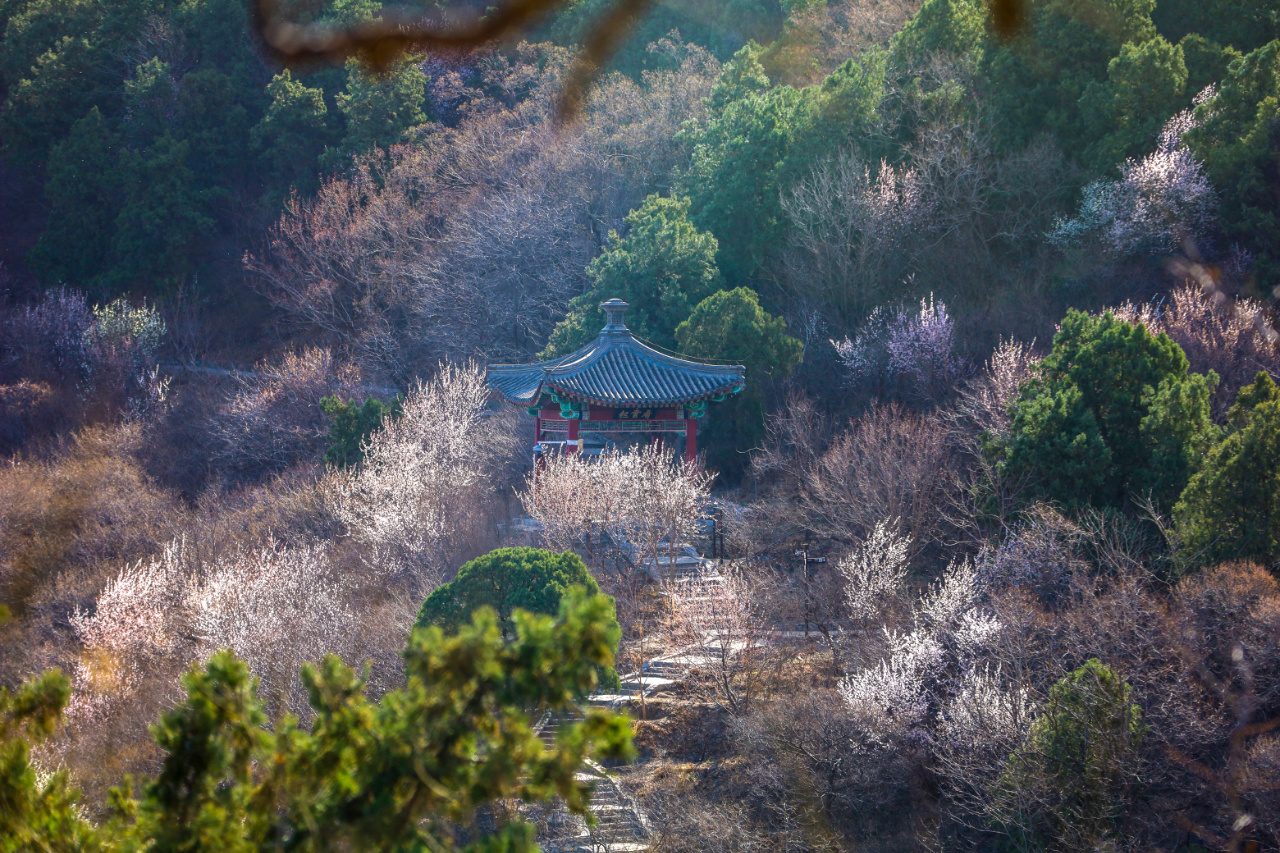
1069,784
760,143
379,108
955,27
663,267
1145,85
404,773
730,325
1112,415
1231,507
34,814
1239,142
1036,81
1207,62
512,579
163,218
741,76
720,27
1242,24
149,116
292,133
351,424
44,102
82,189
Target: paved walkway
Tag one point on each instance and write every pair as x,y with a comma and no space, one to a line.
621,827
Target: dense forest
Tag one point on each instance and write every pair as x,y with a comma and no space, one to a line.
996,519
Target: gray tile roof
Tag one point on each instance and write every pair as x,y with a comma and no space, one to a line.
616,369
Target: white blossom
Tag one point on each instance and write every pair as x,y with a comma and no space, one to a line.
1160,200
875,570
646,500
892,695
273,606
276,608
975,631
132,624
951,597
408,498
982,712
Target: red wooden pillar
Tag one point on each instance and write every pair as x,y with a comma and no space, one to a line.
571,446
690,439
538,455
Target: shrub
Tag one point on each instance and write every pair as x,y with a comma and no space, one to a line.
1112,413
67,523
46,341
275,419
351,424
511,579
891,463
1068,785
121,346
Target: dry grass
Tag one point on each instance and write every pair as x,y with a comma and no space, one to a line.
68,522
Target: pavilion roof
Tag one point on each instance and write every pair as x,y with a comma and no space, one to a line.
616,369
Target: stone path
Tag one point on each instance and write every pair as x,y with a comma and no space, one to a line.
621,827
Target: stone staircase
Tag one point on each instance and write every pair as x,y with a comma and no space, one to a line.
621,827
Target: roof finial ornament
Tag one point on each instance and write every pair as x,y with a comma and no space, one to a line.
615,312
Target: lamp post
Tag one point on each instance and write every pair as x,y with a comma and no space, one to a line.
807,561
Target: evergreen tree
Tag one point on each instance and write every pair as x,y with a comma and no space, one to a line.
1069,784
1035,81
83,193
1145,85
380,107
350,426
955,27
292,133
162,219
511,579
404,773
761,143
1113,413
1238,141
663,267
36,814
730,325
1231,507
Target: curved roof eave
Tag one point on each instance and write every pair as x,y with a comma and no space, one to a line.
636,374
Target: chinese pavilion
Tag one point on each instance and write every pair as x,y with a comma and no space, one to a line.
615,384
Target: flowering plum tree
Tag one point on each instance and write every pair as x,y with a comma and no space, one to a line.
914,347
1160,201
645,500
276,608
415,493
896,698
874,571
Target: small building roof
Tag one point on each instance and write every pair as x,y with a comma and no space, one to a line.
616,369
